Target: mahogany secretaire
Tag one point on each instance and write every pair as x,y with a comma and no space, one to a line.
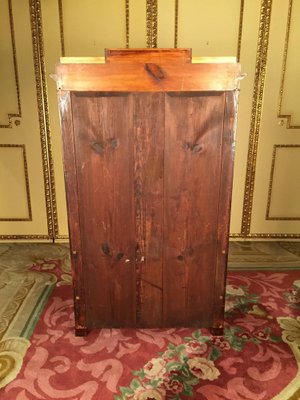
148,138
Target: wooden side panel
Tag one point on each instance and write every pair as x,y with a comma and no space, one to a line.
193,139
228,148
104,159
148,183
79,290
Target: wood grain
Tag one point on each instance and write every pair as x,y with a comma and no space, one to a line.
104,157
226,179
148,182
148,156
79,284
135,78
194,125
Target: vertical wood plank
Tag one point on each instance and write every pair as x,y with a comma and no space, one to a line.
193,130
228,148
79,285
148,183
104,157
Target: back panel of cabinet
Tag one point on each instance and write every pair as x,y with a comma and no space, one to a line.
119,157
193,151
148,181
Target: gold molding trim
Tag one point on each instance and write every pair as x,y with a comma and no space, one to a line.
151,23
127,23
276,146
25,237
266,236
240,34
22,146
176,24
13,43
61,28
43,114
258,91
288,117
62,237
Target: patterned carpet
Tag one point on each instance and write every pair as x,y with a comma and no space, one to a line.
258,358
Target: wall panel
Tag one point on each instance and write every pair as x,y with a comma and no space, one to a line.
15,202
24,215
284,188
264,34
10,106
275,133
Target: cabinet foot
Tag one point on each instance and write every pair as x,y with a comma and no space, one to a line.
81,331
217,331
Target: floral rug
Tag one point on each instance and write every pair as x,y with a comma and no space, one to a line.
28,274
257,358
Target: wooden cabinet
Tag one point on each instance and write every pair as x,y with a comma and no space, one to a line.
148,142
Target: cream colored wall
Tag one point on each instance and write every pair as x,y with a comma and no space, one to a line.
24,213
266,192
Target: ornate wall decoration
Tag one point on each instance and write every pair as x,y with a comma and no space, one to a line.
288,117
258,90
176,24
127,22
151,23
18,114
238,54
61,27
43,111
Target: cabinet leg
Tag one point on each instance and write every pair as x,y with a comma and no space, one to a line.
217,331
81,331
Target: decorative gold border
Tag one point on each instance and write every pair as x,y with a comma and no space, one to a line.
151,23
258,91
13,43
43,112
127,23
240,34
176,24
266,236
64,237
25,237
276,146
288,117
29,218
61,28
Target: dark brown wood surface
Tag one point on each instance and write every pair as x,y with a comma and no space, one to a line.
154,77
148,157
104,156
148,136
79,286
225,191
193,138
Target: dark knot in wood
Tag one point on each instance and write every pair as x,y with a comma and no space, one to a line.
98,148
155,71
111,143
119,256
114,143
105,248
193,147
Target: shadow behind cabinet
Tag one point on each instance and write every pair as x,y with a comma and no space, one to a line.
148,155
